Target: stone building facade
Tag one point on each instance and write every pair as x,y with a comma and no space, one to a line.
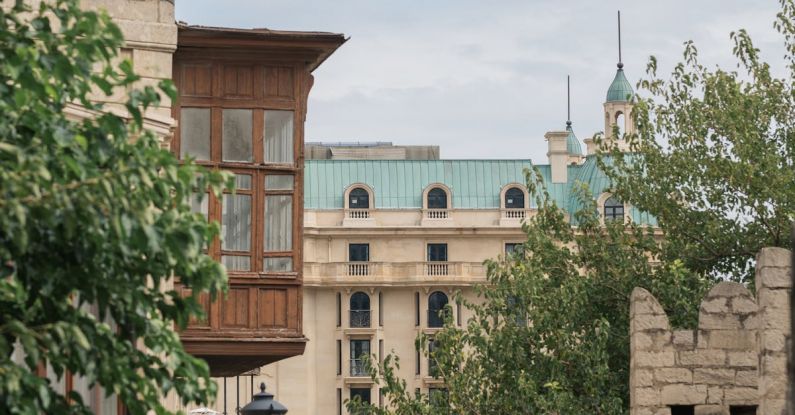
733,363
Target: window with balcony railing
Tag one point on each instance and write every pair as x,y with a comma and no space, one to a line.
358,256
360,310
437,260
359,350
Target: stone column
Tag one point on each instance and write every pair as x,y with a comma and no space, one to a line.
773,285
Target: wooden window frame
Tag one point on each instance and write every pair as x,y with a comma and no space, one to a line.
259,104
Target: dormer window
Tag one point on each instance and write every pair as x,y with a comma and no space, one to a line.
437,198
613,210
514,198
358,198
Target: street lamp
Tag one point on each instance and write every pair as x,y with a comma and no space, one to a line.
263,404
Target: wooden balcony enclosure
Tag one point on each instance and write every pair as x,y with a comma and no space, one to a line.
241,108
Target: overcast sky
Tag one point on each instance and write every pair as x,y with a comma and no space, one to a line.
485,79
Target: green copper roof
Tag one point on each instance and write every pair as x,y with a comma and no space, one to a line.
598,183
474,184
573,146
620,90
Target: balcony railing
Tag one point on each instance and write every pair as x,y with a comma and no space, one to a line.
356,269
358,368
316,272
437,213
357,213
360,318
434,268
514,213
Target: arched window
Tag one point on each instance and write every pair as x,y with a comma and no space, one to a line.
437,198
514,198
614,210
360,310
436,306
358,198
621,124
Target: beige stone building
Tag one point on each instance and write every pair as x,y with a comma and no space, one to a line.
393,233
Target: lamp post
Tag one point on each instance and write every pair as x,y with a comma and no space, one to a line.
263,404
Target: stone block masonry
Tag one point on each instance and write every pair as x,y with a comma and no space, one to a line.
736,357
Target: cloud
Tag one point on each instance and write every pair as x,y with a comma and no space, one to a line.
484,79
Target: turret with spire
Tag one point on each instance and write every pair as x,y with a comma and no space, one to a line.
618,105
564,148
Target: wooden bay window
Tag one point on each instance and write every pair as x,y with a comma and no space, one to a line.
241,109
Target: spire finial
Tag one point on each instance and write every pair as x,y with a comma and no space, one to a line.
568,101
620,64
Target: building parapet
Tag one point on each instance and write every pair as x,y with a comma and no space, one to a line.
734,362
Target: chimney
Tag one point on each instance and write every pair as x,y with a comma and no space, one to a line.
558,155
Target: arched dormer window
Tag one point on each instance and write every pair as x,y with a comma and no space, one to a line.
514,198
613,209
437,302
359,198
437,198
360,310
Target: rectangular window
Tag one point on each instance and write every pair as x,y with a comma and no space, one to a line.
433,369
380,310
278,264
381,351
381,398
513,247
339,357
358,252
683,410
438,398
742,410
194,133
416,309
236,232
339,401
359,350
200,203
362,393
278,223
236,142
339,310
279,182
279,137
417,362
458,313
437,252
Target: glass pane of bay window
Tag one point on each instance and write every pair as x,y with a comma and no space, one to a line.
279,182
236,139
282,264
236,223
278,137
236,263
243,181
278,223
194,133
199,203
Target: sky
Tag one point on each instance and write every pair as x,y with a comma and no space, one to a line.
486,79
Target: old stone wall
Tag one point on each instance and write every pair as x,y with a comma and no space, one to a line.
735,359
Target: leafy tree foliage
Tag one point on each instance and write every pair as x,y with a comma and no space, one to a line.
549,333
95,222
718,156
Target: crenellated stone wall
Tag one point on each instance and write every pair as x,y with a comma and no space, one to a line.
735,358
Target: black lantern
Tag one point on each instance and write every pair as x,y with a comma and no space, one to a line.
263,404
